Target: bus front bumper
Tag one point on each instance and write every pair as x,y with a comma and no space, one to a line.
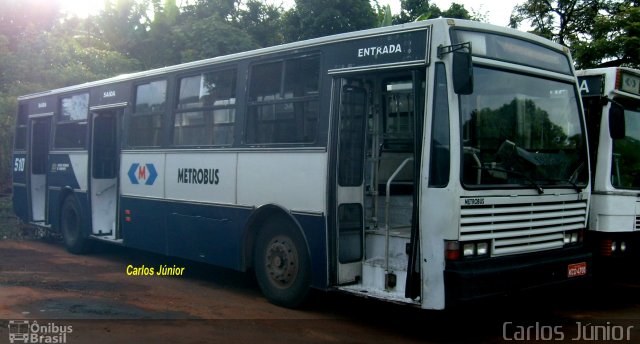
486,277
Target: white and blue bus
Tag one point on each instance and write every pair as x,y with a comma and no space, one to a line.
611,101
424,164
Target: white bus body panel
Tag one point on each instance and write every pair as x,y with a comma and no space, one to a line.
217,188
79,163
295,181
614,213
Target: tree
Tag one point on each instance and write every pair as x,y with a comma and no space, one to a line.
18,17
262,22
317,18
157,47
36,55
598,32
123,24
614,39
211,37
456,10
385,17
412,10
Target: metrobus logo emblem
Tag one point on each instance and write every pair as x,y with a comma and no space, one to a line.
142,173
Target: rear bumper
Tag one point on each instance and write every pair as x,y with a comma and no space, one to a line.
480,278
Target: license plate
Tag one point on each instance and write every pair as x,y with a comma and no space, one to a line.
578,269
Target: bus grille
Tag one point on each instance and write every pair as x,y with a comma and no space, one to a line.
522,227
637,222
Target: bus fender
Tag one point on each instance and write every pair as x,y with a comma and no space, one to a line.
260,216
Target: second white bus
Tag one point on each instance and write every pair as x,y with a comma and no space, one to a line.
611,100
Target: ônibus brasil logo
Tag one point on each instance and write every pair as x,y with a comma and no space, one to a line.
24,331
142,173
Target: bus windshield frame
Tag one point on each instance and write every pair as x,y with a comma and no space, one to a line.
521,131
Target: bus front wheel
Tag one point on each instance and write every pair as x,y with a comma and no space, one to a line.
282,265
71,227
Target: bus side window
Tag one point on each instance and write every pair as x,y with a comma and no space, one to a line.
206,109
145,125
439,167
71,128
284,101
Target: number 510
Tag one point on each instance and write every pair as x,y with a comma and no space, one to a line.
18,165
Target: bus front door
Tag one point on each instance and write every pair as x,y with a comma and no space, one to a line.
39,157
104,173
352,112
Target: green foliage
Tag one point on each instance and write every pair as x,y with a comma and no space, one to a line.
598,32
317,18
387,17
415,10
18,16
35,58
7,120
198,42
456,11
261,22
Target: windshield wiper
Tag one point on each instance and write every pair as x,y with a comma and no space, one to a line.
575,186
516,173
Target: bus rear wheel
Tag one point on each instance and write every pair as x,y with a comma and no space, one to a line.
71,227
282,265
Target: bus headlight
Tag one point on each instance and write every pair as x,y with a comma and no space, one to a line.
469,250
623,246
482,248
475,249
572,238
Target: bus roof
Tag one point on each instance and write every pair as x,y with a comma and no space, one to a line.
301,45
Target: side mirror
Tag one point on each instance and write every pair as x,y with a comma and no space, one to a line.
462,72
616,121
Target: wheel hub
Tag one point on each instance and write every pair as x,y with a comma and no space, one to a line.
282,262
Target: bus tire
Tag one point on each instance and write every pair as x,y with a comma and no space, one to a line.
282,264
71,227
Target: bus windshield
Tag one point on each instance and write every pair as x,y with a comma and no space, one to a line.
521,131
625,168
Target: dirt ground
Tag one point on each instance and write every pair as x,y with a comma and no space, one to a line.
93,295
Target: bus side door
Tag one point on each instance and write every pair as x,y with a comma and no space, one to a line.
350,181
39,145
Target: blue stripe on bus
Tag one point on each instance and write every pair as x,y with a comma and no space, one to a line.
314,228
206,233
20,202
